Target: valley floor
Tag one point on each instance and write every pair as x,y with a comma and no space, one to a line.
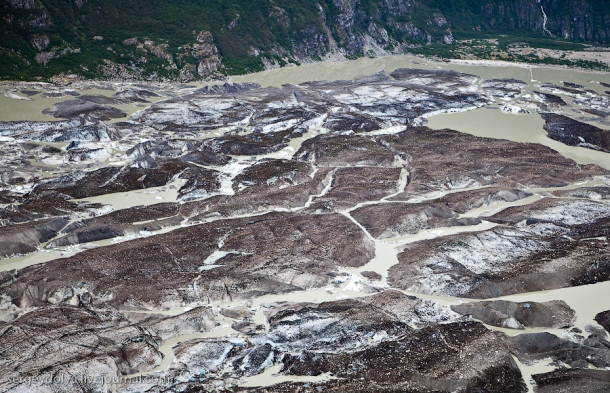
379,224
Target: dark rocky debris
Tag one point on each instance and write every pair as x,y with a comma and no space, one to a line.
574,133
318,231
553,314
573,380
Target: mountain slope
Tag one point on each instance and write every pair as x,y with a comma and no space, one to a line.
190,39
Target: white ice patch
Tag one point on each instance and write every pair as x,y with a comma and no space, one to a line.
193,195
283,154
205,357
388,130
574,212
354,284
208,267
511,323
380,336
98,154
216,256
433,283
54,160
422,119
493,251
21,188
430,312
513,110
301,334
280,126
10,94
230,172
369,92
316,122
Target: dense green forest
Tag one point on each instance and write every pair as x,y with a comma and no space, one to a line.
41,38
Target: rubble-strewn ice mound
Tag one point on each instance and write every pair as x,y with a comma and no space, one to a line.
303,238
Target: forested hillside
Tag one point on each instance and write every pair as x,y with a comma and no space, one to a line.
192,39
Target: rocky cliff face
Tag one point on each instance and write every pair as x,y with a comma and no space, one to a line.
588,21
568,19
356,27
128,40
